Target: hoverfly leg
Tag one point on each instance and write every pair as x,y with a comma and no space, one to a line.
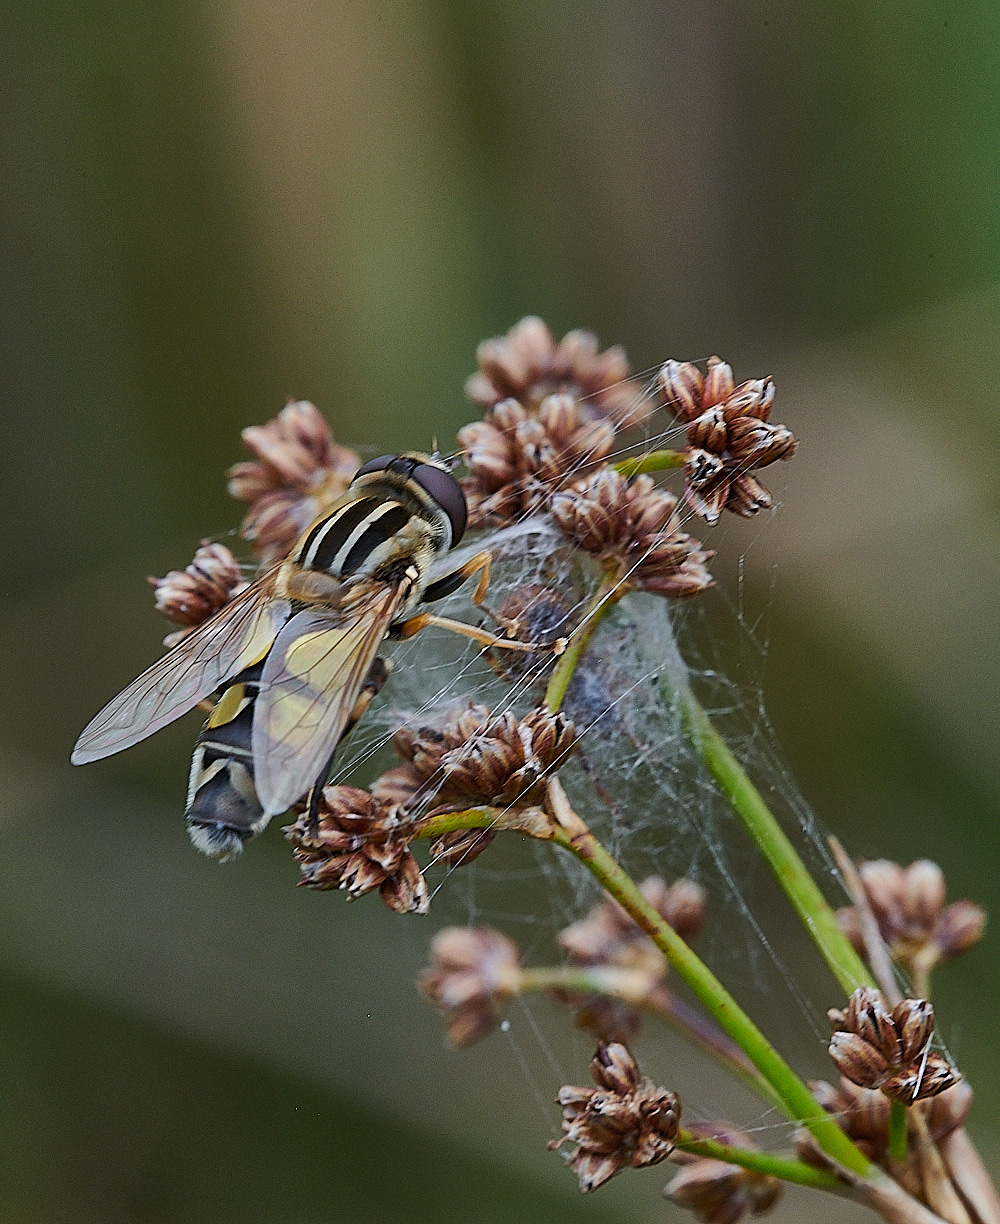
415,623
479,564
378,673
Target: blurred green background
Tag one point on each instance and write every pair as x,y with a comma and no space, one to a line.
210,206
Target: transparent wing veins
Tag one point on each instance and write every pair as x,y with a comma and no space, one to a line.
236,636
309,687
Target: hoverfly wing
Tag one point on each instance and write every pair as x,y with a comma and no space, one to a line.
235,637
308,690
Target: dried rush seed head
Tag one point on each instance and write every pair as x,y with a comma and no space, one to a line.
608,936
358,844
527,364
474,971
717,1192
874,1047
191,595
624,1122
729,436
913,920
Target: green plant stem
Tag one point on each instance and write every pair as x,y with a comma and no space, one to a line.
639,988
897,1131
762,825
655,461
604,599
574,836
762,1162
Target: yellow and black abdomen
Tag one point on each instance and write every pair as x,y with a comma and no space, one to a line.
222,806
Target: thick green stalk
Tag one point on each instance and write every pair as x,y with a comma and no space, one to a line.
762,1162
574,836
792,874
655,461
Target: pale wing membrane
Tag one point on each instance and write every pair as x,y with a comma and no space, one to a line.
309,687
238,635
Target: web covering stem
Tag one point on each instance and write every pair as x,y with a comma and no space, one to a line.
792,874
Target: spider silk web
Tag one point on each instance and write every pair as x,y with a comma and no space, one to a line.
637,782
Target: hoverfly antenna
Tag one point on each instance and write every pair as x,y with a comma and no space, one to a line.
451,461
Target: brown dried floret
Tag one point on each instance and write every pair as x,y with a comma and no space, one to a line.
188,597
358,844
527,364
299,472
632,528
863,1115
474,972
729,436
908,904
516,458
470,757
609,936
625,1122
874,1047
718,1192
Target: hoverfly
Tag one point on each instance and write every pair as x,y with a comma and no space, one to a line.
293,657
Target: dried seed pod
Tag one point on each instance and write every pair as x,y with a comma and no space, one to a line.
188,597
608,936
469,757
461,847
861,1113
474,971
728,433
631,528
527,364
718,1192
875,1048
516,460
358,844
299,471
624,1122
913,920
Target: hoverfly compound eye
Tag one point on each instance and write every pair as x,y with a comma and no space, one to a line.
374,465
447,492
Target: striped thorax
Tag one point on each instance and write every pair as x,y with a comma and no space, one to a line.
399,515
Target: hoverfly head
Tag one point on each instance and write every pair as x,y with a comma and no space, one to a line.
426,480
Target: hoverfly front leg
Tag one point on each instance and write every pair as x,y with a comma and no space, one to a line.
479,564
378,673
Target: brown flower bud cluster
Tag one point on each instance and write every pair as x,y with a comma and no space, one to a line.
609,936
874,1047
632,529
298,472
624,1122
474,971
472,758
863,1115
908,905
191,595
718,1192
729,436
527,365
516,458
358,845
